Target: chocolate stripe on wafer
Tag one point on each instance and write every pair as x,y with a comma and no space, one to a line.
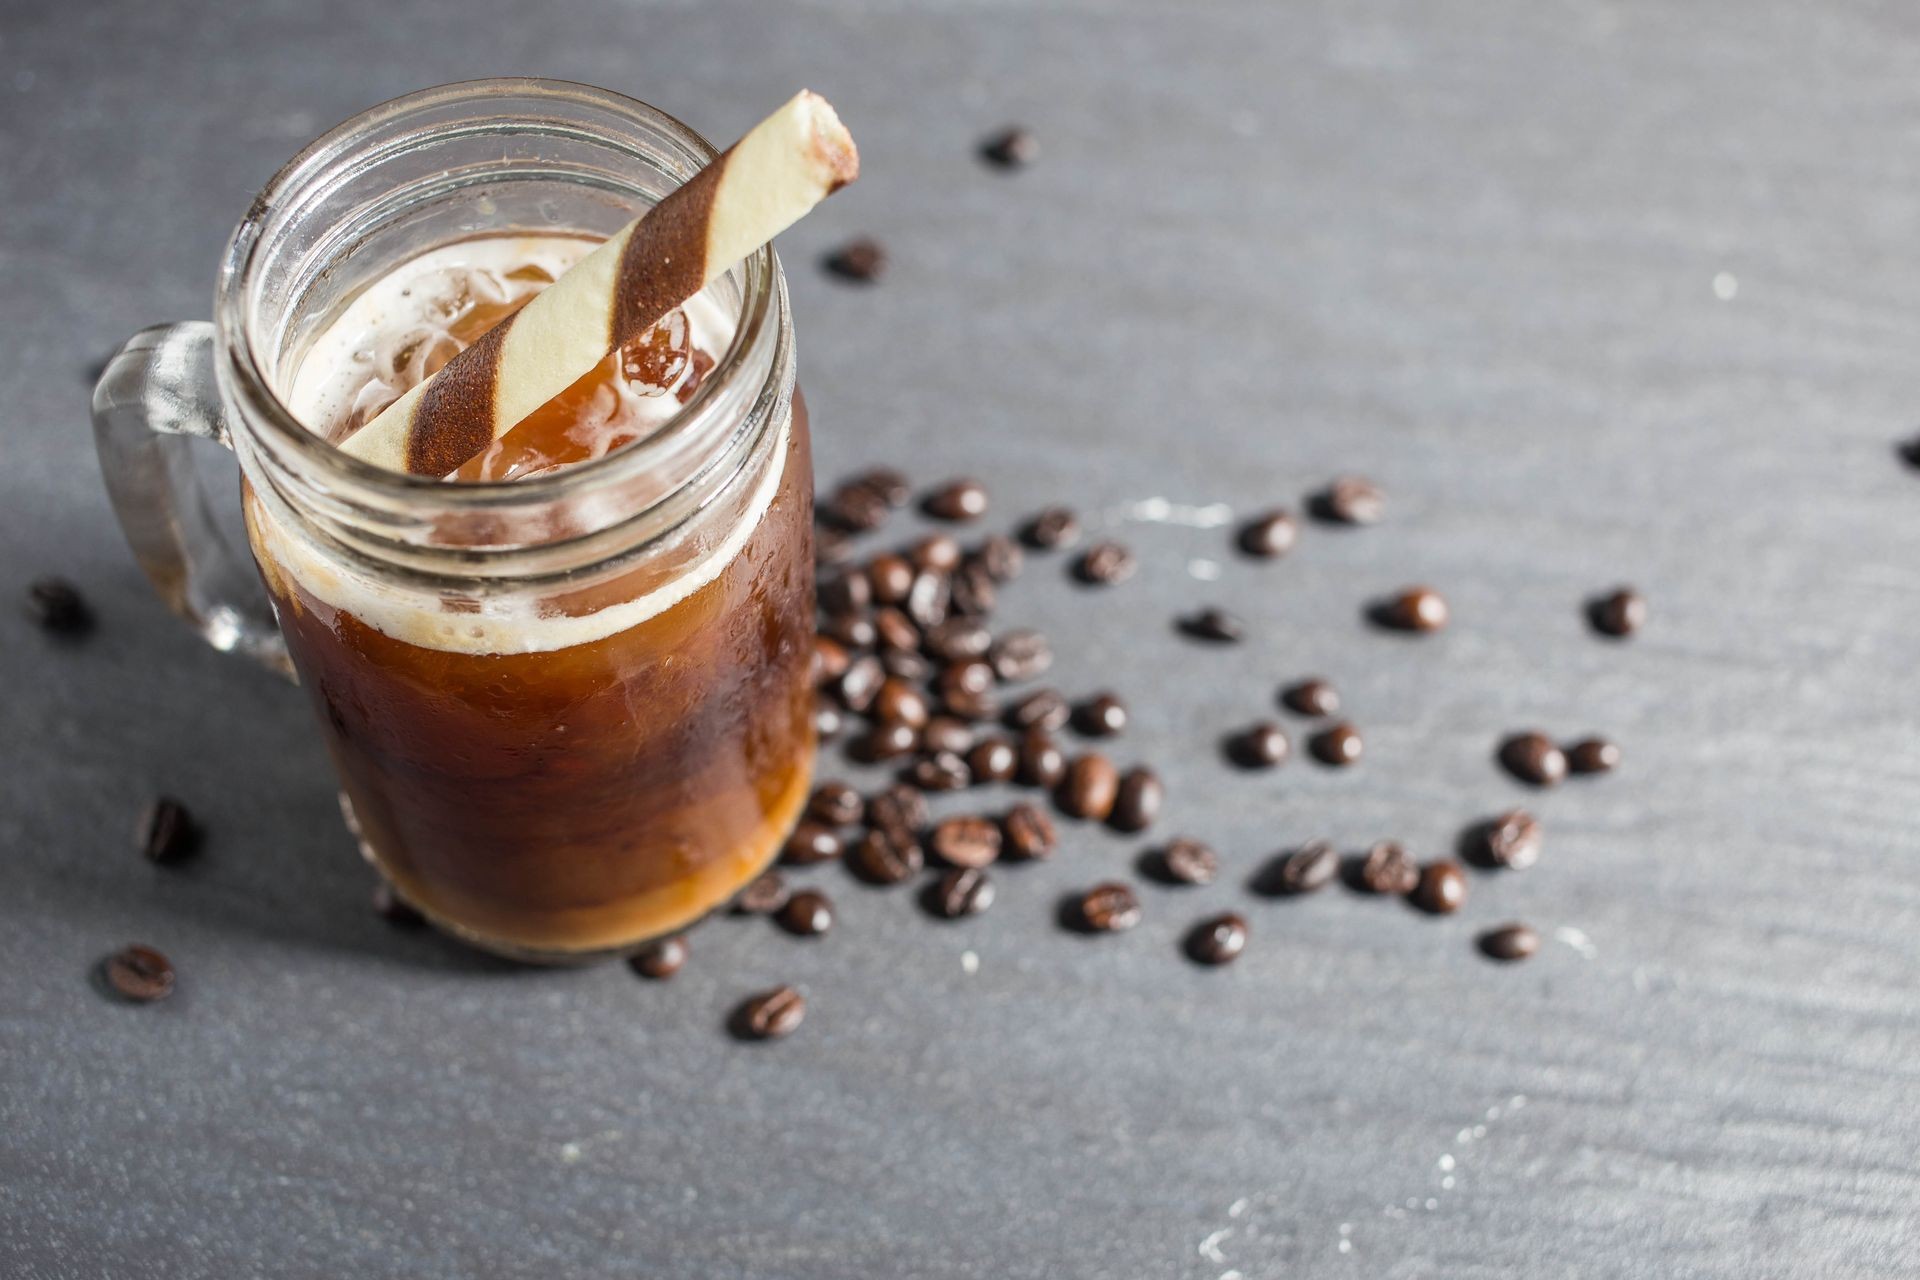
785,165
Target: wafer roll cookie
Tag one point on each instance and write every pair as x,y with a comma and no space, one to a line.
767,181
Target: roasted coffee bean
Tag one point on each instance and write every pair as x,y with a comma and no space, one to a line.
660,960
394,909
1351,500
861,261
900,703
1415,609
1052,528
1041,709
1109,908
1442,889
940,771
1313,697
831,548
1389,869
1106,563
860,683
57,605
166,832
807,914
828,722
929,599
1029,833
887,740
993,760
854,509
1593,755
1187,861
1311,867
1042,762
811,842
1100,716
1270,536
1513,840
958,639
1091,786
1218,939
1262,746
1620,612
900,810
1510,942
961,892
969,676
890,577
878,858
771,1014
850,592
1215,625
835,804
830,659
1136,805
939,552
765,894
1533,758
969,705
890,485
906,664
1011,148
140,974
957,500
894,632
1020,655
1338,744
850,630
972,592
1000,557
944,733
966,842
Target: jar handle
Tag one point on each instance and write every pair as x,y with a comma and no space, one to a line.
157,397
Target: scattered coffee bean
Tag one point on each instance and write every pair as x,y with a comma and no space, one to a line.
1513,840
394,909
1338,744
1510,942
1351,500
862,261
941,771
970,676
887,740
831,547
879,859
969,705
1090,788
1053,528
1593,755
855,509
899,810
905,664
900,703
1105,564
944,733
957,500
1416,609
827,721
889,485
810,843
1388,868
1186,861
1533,758
1020,655
1311,867
961,892
1215,625
1270,536
1011,148
972,591
1109,908
660,960
1041,709
853,630
140,974
966,842
1620,612
830,659
765,894
939,552
1442,889
958,639
890,576
1100,716
1219,939
166,832
929,599
57,605
807,914
1137,802
1262,746
1042,762
1000,557
860,683
993,760
848,592
1029,833
772,1014
1314,697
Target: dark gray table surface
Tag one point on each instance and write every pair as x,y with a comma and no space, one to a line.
1599,291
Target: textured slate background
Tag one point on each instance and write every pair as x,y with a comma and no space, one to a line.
1599,291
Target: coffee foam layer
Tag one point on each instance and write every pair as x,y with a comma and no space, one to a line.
333,378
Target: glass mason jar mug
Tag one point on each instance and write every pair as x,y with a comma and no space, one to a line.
569,712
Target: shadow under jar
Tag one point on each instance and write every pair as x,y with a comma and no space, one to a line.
571,711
